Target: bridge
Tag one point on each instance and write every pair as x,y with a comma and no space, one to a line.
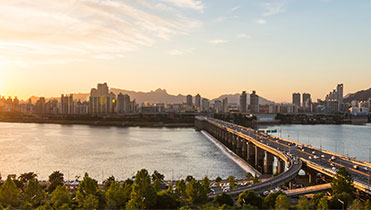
261,151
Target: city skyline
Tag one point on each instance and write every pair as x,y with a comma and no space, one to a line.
206,47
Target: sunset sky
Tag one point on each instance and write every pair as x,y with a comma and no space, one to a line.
211,47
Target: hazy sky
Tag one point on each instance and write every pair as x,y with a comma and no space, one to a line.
211,47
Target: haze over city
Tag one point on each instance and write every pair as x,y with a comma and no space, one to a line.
211,47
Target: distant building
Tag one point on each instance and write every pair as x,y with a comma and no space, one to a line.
67,104
198,101
225,105
100,101
254,102
123,103
218,108
189,100
40,106
51,107
296,99
307,102
243,102
205,105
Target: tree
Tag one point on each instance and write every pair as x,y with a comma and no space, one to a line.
87,192
46,206
345,200
368,205
116,198
196,193
315,200
218,180
189,178
282,202
232,182
60,197
256,180
303,203
180,190
9,193
34,194
143,195
250,197
222,199
206,184
342,182
55,179
166,201
270,200
356,205
322,204
108,182
25,177
157,176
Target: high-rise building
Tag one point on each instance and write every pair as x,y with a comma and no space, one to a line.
205,105
100,101
254,102
296,99
243,102
307,101
123,103
40,106
198,101
67,104
340,95
225,105
189,100
218,108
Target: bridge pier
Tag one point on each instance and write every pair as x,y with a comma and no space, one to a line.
244,150
259,159
280,166
239,146
268,163
250,154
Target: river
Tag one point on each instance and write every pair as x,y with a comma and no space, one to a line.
105,151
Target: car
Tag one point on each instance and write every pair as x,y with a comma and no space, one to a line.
265,193
333,168
313,152
302,150
315,157
365,168
322,156
310,157
355,167
333,158
331,164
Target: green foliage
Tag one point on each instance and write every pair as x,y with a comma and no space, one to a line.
248,207
249,175
143,195
180,191
196,193
282,202
218,179
251,198
367,205
87,192
108,182
116,198
342,182
189,178
206,184
303,203
60,197
157,176
55,179
46,206
256,180
222,199
9,193
166,200
232,182
34,194
315,200
356,205
344,197
25,177
322,204
270,200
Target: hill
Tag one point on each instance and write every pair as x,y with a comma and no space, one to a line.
362,95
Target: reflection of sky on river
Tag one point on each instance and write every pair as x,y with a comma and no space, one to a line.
354,140
75,149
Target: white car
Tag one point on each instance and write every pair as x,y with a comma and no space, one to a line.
333,168
322,156
315,157
310,157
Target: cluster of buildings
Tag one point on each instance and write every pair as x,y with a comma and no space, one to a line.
103,102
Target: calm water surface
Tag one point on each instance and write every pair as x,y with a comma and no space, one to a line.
105,151
352,140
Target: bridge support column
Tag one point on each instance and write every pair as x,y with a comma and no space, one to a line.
239,146
244,149
259,159
280,166
268,163
250,154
